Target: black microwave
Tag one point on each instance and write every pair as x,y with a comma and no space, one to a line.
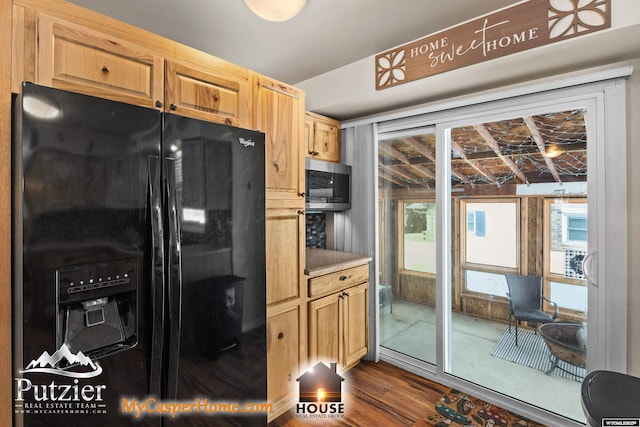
328,186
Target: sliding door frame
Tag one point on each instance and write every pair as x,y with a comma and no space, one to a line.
605,101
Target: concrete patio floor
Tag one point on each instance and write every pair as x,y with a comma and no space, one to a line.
411,330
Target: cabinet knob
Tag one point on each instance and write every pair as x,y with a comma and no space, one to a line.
300,212
173,107
105,71
343,278
280,335
158,104
303,194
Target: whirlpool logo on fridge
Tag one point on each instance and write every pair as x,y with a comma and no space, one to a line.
64,394
247,142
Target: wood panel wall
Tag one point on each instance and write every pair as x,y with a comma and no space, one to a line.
6,383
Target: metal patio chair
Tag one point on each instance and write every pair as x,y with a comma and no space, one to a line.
526,301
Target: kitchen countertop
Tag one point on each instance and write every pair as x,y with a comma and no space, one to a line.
324,261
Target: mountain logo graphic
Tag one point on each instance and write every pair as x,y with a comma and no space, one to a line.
64,362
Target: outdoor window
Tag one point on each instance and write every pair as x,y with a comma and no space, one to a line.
491,237
419,237
476,223
490,242
565,248
574,229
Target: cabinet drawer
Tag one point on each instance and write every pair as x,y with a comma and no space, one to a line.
341,279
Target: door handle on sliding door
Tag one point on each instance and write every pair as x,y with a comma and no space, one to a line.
587,267
174,279
156,275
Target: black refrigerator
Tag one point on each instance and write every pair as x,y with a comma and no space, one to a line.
139,266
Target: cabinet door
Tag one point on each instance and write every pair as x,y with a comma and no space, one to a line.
327,141
283,357
220,96
285,254
355,318
324,329
78,59
279,113
308,136
322,137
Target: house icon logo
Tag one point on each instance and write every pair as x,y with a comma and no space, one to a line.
320,390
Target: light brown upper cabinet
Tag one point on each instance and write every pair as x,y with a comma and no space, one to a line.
220,96
279,113
109,65
78,59
322,137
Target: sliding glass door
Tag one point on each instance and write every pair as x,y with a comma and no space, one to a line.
516,262
478,205
406,194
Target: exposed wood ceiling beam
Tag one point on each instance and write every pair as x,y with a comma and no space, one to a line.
429,154
384,175
537,137
424,171
397,170
474,163
390,151
397,173
488,138
420,148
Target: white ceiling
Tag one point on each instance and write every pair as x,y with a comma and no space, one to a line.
326,35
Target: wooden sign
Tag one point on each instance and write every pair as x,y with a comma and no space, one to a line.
518,28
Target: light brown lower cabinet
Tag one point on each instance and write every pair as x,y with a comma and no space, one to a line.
283,359
325,322
355,333
338,327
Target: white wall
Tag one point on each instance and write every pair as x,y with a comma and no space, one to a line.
349,92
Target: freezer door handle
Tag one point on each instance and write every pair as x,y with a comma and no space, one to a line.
156,275
174,280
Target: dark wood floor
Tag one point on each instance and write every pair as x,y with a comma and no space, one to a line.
378,394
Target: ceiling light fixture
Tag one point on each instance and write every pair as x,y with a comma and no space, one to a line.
276,10
553,151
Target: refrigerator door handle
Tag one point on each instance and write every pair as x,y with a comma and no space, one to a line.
156,275
174,280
